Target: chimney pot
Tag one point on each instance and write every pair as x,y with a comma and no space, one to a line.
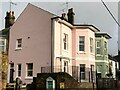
64,16
12,13
9,19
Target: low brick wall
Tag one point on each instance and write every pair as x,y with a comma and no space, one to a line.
39,82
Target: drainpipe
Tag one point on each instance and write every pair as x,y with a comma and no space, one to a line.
52,43
116,70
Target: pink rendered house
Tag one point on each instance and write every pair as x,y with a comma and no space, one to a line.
40,42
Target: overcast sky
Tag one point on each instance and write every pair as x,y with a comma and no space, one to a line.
85,13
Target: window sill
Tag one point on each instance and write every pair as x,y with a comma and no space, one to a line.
17,49
18,77
92,53
83,80
80,52
29,78
98,55
65,50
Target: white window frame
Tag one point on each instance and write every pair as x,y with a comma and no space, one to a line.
65,41
82,72
105,47
91,45
81,43
98,47
19,70
19,43
27,70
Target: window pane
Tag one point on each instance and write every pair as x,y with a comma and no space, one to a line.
19,69
105,44
30,66
91,44
19,40
19,73
98,47
29,73
81,48
98,50
2,48
12,66
2,42
19,45
82,75
50,84
98,43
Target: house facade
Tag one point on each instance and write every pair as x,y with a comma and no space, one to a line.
46,44
102,62
30,44
74,49
4,41
114,66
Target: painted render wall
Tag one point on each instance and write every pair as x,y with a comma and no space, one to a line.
59,52
85,57
34,27
102,62
103,56
76,57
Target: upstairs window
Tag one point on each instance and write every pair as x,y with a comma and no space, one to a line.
91,45
65,41
19,44
81,43
105,49
98,47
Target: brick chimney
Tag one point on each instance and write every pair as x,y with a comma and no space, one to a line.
71,16
9,19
